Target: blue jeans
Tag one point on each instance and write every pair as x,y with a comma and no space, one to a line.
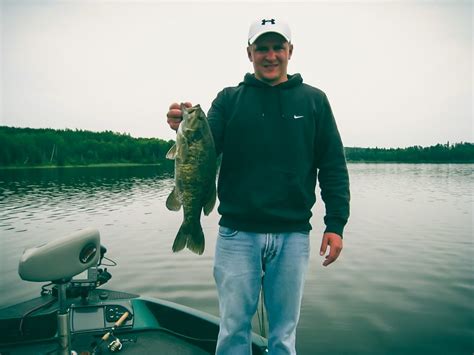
242,259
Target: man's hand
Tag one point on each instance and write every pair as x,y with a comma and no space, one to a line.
175,115
335,247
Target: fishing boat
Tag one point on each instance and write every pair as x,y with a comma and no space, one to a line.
74,315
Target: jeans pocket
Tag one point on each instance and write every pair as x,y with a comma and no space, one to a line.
226,232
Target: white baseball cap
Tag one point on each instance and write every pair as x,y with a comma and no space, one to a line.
259,27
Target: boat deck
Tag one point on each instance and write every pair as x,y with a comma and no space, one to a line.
154,326
139,343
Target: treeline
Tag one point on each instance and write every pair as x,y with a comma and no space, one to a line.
36,147
440,153
33,147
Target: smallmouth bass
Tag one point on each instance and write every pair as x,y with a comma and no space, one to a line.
195,177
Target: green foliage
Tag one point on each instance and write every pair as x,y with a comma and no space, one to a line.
32,147
440,153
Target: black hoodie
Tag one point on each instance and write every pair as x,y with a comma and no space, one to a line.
276,141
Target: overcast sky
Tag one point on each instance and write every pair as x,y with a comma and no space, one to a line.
397,73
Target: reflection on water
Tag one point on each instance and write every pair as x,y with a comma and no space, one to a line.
31,195
403,285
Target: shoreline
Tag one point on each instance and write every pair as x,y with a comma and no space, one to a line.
125,165
407,162
100,165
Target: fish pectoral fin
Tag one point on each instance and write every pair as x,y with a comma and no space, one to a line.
172,202
210,201
171,153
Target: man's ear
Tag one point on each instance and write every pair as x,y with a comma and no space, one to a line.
290,47
249,53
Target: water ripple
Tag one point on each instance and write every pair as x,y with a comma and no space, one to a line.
403,284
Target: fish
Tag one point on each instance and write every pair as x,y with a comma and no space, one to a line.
195,159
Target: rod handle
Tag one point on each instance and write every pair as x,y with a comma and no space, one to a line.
121,319
117,324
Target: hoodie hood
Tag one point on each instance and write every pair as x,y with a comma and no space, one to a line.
293,80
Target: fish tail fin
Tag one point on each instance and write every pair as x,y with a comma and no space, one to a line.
181,238
190,235
196,240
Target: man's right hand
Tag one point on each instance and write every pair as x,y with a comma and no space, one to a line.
175,115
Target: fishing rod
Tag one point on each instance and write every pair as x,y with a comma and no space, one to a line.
115,345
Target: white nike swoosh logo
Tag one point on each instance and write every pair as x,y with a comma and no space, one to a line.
296,117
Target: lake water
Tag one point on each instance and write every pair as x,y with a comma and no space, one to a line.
403,285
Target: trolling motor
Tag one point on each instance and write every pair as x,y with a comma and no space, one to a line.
58,262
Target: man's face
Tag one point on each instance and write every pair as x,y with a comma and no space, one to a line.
270,54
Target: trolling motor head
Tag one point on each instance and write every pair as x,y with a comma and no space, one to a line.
59,261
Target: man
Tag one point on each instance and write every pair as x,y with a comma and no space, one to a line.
277,137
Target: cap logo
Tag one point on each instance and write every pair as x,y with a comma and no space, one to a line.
272,21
